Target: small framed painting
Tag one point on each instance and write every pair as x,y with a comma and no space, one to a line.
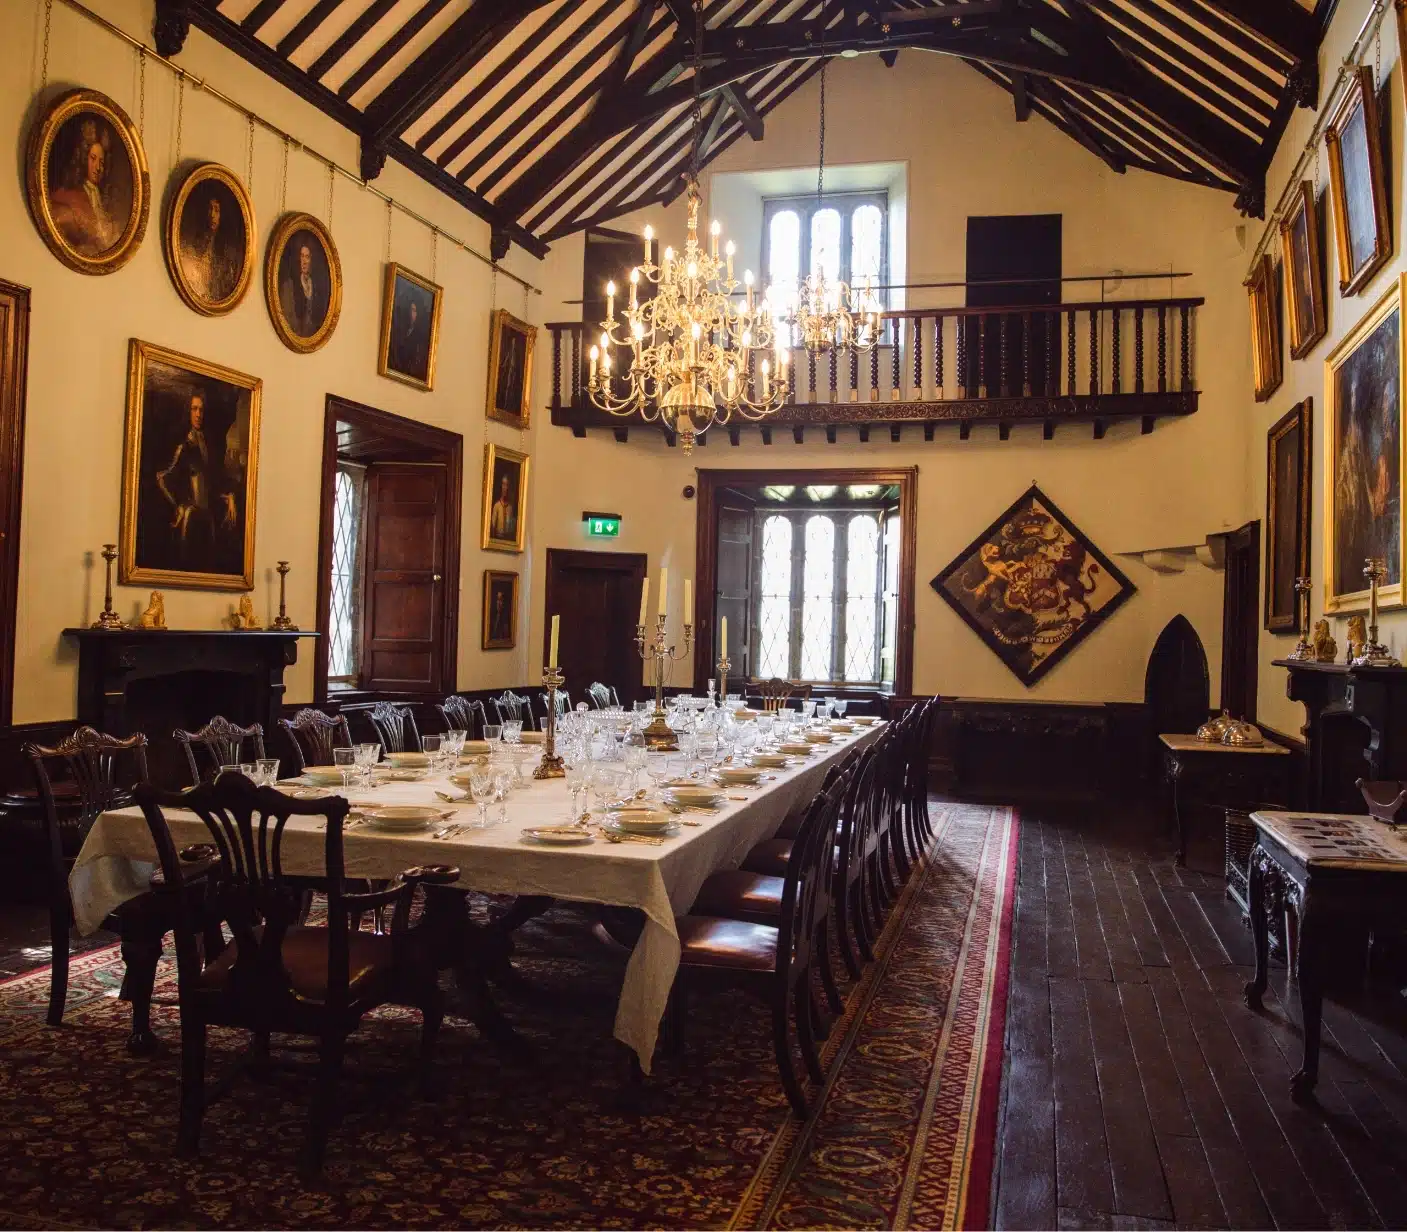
505,499
1267,367
1304,274
510,368
303,282
500,610
87,183
209,240
190,472
1289,449
1362,228
1363,458
410,327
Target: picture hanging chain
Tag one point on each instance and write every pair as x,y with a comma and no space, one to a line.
249,159
389,212
1378,59
48,25
1316,172
331,184
493,307
142,94
283,187
434,254
180,113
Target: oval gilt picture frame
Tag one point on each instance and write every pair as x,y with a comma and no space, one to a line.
87,183
209,240
302,282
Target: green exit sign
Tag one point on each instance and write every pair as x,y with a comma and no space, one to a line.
602,525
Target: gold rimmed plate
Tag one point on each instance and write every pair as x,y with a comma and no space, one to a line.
557,836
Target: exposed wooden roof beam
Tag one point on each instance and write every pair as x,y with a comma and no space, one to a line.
1280,22
1020,95
1078,129
744,110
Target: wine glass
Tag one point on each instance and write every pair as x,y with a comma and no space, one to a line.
576,784
503,777
433,748
512,731
492,733
838,707
266,771
367,756
346,761
481,791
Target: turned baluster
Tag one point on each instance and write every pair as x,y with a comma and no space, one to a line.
1026,353
895,359
963,370
556,368
982,355
835,360
854,375
1138,350
918,358
1186,348
1094,351
1162,349
1003,389
938,356
1070,363
811,374
1052,360
576,367
874,374
1114,350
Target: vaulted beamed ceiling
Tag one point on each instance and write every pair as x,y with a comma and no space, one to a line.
543,116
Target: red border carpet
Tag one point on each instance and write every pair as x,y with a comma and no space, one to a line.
902,1137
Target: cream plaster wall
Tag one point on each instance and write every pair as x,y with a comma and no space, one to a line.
1306,377
80,328
966,155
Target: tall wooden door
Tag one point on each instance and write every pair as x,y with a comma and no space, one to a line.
404,591
1240,622
14,362
597,595
734,594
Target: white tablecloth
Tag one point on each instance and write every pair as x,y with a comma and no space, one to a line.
117,859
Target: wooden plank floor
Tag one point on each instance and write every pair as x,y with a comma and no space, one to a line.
1141,1093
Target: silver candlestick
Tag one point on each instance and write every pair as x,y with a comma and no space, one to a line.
1374,653
659,736
1303,651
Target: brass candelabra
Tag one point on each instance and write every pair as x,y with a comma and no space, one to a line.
109,619
551,767
659,736
281,621
1303,651
1374,654
724,663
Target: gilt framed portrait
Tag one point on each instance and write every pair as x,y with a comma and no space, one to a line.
410,328
1363,457
1304,272
510,368
303,282
1362,228
1267,366
209,240
505,499
500,610
1289,449
87,183
1032,587
190,472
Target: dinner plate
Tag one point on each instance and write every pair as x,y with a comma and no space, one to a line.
842,727
323,774
798,748
474,748
641,821
864,720
532,737
311,793
819,737
408,761
771,760
403,816
558,836
738,774
695,794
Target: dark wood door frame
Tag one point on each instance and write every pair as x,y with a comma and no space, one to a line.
706,551
632,565
1240,622
412,438
14,369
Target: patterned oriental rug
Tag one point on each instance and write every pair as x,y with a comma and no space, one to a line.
903,1135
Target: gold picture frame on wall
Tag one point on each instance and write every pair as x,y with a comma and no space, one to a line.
1304,276
505,499
1267,365
1362,227
1289,449
302,282
87,183
511,343
1363,457
209,240
500,627
410,327
190,472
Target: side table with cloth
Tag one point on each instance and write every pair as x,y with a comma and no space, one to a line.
661,881
1220,776
1338,872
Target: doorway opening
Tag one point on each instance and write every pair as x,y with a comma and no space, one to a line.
388,555
813,572
599,593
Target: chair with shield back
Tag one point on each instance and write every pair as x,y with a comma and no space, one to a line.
96,773
564,704
600,695
461,714
512,707
313,735
277,975
220,743
391,723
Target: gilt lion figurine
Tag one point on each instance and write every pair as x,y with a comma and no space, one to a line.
244,617
1325,648
1357,637
155,615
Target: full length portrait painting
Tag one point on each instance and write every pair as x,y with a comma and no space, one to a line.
190,472
1032,587
1363,475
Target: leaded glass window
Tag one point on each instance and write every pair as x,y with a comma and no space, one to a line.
343,643
774,612
861,585
817,612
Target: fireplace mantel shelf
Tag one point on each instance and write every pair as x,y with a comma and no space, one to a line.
239,633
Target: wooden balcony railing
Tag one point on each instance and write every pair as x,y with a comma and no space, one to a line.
1095,363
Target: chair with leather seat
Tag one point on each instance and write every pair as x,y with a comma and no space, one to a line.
93,773
223,744
770,856
461,714
276,975
777,962
859,911
313,735
392,724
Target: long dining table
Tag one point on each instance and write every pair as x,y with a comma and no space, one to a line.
118,856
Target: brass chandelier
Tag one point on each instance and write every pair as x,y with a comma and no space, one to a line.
697,355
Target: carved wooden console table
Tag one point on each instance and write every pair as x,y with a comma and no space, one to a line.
1339,873
1220,776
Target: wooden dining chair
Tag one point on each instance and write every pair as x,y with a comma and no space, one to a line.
776,961
100,772
511,706
461,714
774,693
600,695
275,974
564,703
313,735
222,743
859,917
393,724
